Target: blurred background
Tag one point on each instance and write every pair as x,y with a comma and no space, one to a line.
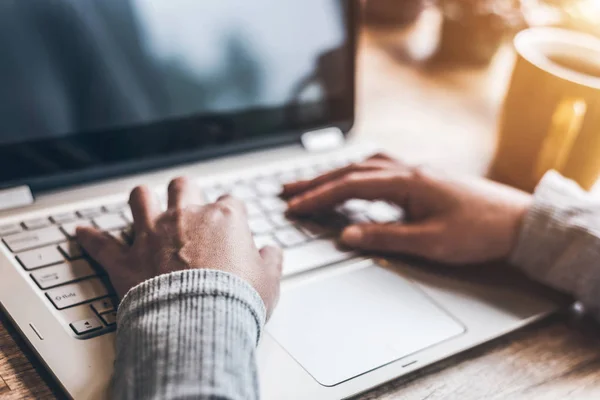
472,31
434,73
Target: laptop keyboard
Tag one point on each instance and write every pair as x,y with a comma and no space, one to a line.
45,247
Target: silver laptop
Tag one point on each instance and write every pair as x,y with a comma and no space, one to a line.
98,96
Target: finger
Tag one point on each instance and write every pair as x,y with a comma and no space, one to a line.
273,257
417,240
382,156
232,203
380,185
145,208
182,193
103,248
295,188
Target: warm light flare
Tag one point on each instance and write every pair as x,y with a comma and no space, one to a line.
587,11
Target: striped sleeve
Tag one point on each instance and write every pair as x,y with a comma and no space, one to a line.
559,244
188,334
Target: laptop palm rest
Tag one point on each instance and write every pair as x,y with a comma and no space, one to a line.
351,323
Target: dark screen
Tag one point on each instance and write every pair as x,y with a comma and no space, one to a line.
93,83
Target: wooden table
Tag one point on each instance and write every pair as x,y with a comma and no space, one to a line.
445,117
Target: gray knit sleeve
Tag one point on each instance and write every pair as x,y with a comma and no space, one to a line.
188,334
559,244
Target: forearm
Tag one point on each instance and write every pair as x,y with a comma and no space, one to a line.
559,243
189,334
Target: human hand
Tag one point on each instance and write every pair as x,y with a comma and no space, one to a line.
186,236
448,219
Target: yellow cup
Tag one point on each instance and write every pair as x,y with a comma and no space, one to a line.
551,114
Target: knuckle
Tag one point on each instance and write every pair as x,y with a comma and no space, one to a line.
233,204
437,251
219,210
352,177
225,198
419,171
381,154
353,166
226,209
178,214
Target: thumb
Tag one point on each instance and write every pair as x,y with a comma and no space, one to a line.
102,247
273,257
409,239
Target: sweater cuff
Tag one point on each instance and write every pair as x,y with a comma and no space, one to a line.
192,283
188,334
558,239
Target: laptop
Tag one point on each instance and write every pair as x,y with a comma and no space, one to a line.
99,96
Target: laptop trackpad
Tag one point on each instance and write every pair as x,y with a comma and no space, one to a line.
351,323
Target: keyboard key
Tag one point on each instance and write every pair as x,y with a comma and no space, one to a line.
268,187
314,230
31,239
307,173
260,225
264,240
287,177
64,218
323,168
86,325
77,293
36,223
91,212
118,234
311,255
104,305
69,229
110,222
41,257
339,163
354,206
127,233
382,212
273,204
291,236
128,216
61,274
280,221
253,209
71,250
359,219
243,192
163,200
116,207
9,229
109,318
213,193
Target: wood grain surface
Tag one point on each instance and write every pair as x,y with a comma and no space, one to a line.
445,117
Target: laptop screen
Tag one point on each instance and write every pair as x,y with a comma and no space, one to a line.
90,88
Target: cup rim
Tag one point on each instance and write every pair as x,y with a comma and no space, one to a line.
525,39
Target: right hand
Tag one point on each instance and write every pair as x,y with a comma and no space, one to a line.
453,220
187,236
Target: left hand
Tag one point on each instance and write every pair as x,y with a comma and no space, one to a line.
186,236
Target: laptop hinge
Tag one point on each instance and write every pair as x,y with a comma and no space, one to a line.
15,197
323,140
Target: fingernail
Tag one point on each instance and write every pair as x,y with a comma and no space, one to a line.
352,235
